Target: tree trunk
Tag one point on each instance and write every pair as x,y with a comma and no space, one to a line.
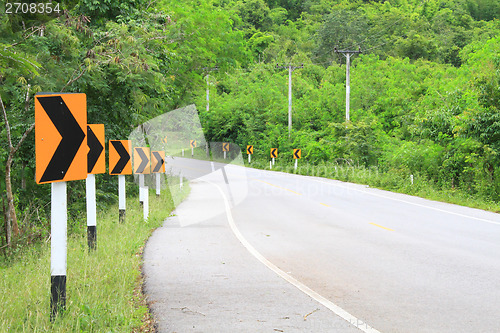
11,210
23,175
8,232
11,225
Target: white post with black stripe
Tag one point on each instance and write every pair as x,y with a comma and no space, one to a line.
158,184
58,247
121,198
146,202
91,212
141,189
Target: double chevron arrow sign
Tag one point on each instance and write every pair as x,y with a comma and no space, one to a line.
119,157
158,161
61,155
60,137
141,161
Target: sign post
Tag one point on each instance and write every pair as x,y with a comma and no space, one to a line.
91,211
58,247
61,155
192,143
225,148
120,164
95,164
158,165
122,202
158,184
296,155
141,190
142,166
249,152
274,153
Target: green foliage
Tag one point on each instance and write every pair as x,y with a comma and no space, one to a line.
424,99
134,60
424,92
9,59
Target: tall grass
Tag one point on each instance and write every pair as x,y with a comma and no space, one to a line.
393,180
102,286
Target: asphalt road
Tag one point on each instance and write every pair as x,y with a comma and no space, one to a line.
263,251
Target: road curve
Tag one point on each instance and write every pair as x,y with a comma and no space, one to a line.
373,260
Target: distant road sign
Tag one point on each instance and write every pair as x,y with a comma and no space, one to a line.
192,143
158,161
119,157
249,149
165,140
142,163
297,153
225,146
274,152
96,162
60,137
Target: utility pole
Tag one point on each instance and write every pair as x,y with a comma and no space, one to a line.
347,54
290,70
208,95
208,70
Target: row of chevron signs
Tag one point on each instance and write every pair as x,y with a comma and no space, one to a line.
67,148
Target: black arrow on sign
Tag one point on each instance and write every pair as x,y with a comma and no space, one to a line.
95,151
71,133
296,153
249,150
273,152
124,157
160,161
144,163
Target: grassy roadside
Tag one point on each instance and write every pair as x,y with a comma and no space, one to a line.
395,181
103,287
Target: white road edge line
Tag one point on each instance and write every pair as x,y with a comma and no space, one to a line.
410,203
308,291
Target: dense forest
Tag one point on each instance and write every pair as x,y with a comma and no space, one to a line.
425,89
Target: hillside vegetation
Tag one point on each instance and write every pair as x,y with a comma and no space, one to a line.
424,91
